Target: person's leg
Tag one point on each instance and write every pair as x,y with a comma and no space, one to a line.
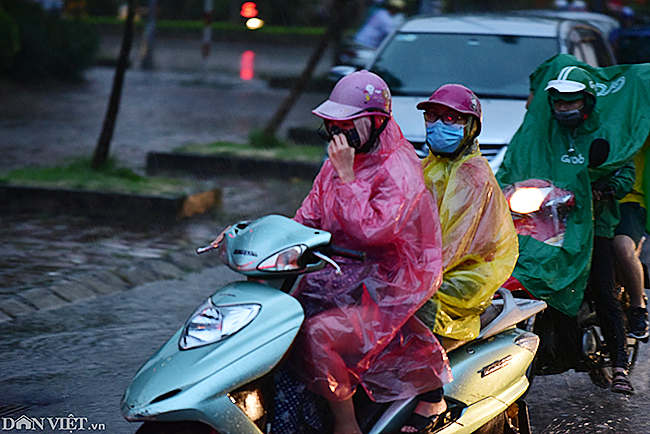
608,308
630,269
627,242
345,420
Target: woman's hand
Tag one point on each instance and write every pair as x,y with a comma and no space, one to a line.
342,157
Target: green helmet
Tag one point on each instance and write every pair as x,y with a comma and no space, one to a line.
572,83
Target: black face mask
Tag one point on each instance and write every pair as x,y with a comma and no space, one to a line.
569,119
352,135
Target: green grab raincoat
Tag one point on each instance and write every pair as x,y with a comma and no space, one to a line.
542,149
607,213
478,238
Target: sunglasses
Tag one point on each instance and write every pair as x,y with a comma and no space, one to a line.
447,118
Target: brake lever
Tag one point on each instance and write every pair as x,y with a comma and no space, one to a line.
328,260
200,250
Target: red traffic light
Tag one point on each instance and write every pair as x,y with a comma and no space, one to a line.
249,10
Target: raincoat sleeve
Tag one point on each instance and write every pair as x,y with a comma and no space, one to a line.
606,211
480,246
623,179
376,210
309,212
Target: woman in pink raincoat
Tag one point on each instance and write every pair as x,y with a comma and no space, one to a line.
370,194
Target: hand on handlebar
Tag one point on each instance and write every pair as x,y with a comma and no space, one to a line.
602,190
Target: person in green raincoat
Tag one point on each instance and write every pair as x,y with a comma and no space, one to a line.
554,145
479,242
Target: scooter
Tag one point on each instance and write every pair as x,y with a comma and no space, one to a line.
217,373
539,210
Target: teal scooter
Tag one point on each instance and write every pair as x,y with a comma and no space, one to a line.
216,373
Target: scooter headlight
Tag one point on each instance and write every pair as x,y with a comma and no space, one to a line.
210,323
528,199
286,260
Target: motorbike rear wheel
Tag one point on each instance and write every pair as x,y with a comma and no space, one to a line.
175,428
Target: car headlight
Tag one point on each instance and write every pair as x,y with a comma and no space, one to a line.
286,260
210,323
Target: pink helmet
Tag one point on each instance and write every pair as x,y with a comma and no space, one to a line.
361,93
457,97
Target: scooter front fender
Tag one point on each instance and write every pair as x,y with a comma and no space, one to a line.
193,384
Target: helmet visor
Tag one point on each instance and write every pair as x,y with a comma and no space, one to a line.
565,96
565,86
335,111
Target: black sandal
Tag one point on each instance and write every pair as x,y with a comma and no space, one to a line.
423,424
621,384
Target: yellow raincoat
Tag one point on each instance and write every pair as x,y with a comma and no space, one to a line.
480,246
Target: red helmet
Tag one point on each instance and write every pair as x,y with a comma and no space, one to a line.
361,93
457,97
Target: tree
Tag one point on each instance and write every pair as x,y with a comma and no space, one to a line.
335,27
100,156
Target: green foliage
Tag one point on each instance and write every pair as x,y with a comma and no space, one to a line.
49,45
79,175
217,27
285,152
258,139
9,44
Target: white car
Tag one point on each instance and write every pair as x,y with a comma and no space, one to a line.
493,55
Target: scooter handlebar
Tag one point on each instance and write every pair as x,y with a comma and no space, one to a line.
346,253
200,250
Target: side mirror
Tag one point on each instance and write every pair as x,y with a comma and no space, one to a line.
598,152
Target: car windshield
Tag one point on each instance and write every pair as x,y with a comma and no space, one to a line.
490,65
633,48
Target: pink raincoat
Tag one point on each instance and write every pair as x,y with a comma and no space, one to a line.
360,327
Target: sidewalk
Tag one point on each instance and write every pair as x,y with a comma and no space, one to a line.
49,262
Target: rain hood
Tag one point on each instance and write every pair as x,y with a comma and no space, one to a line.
479,242
360,326
541,149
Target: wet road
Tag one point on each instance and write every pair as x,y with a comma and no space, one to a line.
77,358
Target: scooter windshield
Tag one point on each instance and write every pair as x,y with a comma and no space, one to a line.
540,209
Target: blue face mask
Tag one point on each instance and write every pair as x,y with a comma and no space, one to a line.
443,138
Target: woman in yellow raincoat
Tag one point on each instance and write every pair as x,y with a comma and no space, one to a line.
479,242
